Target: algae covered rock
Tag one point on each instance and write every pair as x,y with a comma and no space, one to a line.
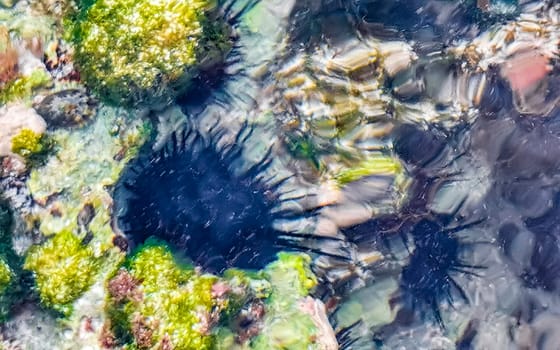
285,317
21,131
143,52
64,268
159,302
10,263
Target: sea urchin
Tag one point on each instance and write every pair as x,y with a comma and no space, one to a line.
434,254
190,195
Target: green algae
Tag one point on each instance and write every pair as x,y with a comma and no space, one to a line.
24,86
289,280
156,300
10,263
64,269
87,163
174,303
32,146
285,325
159,45
6,276
376,165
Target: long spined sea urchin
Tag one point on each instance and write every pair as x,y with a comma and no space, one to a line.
189,194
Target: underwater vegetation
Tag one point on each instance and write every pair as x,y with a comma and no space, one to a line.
10,263
23,86
64,268
157,301
221,216
32,146
144,52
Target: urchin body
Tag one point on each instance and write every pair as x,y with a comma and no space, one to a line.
428,279
434,250
189,194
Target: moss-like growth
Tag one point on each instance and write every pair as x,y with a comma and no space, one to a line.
143,52
291,275
6,276
88,162
24,86
32,146
171,304
285,325
64,269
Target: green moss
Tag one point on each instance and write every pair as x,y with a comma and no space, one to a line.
143,52
6,276
157,269
23,87
32,146
64,269
176,302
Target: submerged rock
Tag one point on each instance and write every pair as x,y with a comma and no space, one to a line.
13,120
67,108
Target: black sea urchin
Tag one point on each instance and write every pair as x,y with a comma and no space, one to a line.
427,278
189,194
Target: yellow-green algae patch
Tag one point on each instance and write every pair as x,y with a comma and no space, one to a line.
285,325
24,86
157,301
6,275
72,191
64,268
172,303
32,146
141,52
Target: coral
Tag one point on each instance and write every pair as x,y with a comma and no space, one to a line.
155,47
220,217
64,268
174,304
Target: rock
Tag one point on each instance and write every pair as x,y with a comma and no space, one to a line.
67,108
15,118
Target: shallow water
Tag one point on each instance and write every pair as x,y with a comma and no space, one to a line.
411,148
